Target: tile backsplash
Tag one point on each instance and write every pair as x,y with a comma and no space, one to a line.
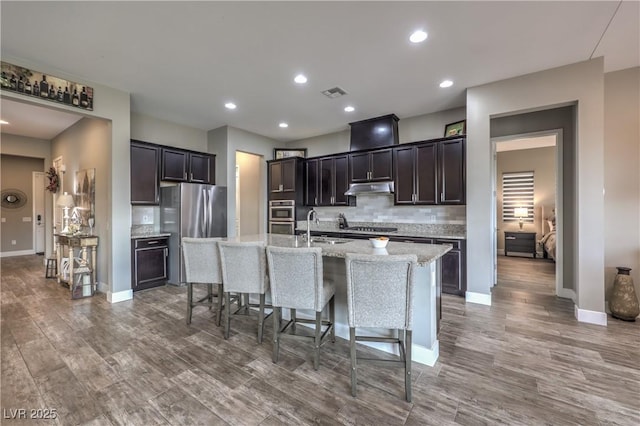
379,208
145,219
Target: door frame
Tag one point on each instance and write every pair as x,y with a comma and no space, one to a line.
559,197
34,190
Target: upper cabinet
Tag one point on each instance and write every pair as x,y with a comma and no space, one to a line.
311,182
333,181
286,179
186,166
371,166
145,161
430,173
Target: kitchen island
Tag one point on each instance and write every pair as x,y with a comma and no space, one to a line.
426,292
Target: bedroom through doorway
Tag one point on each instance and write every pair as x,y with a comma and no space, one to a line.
526,172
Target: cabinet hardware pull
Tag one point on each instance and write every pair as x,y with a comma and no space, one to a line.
191,178
315,200
510,238
185,176
153,242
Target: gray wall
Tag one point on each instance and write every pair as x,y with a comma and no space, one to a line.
582,83
552,119
542,161
154,130
622,174
16,173
87,145
250,189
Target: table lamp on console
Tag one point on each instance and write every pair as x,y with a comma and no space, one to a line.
66,202
521,212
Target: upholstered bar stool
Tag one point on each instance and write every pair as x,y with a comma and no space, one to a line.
295,276
244,271
380,295
202,266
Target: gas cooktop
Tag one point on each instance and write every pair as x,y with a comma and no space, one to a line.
371,229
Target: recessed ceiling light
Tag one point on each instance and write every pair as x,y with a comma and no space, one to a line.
4,122
283,125
446,83
418,36
349,108
230,105
300,79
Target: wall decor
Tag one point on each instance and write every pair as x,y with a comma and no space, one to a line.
13,199
455,129
54,180
36,84
280,153
85,195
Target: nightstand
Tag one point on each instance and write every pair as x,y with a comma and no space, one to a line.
521,242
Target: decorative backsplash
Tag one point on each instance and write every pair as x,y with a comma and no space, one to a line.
379,208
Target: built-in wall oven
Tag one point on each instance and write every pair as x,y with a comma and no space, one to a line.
282,217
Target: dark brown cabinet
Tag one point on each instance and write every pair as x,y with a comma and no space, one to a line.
371,166
149,262
145,179
520,242
186,166
283,175
311,183
454,267
430,173
333,180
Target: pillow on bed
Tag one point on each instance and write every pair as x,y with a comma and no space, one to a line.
552,225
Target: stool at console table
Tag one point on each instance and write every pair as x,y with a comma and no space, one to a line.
84,243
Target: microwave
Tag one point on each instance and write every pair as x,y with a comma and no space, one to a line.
282,211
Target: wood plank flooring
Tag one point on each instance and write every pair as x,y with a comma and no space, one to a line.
523,361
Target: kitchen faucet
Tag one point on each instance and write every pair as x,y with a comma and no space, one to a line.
311,213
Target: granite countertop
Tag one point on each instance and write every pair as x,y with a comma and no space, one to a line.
150,235
426,253
452,232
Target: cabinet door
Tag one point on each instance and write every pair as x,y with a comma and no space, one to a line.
381,165
289,175
452,273
311,183
174,165
144,174
201,168
360,167
275,176
426,174
341,180
150,265
404,159
452,173
325,182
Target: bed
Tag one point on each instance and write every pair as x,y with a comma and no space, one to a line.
548,240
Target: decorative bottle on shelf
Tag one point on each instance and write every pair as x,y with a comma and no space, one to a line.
75,99
13,82
44,87
5,81
52,92
84,101
624,302
28,89
21,85
67,96
60,95
36,88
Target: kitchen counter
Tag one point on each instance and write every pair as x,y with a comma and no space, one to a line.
426,253
151,235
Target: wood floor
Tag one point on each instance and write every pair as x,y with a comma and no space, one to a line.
524,360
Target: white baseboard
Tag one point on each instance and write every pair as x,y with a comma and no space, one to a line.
17,253
119,296
590,317
479,298
567,293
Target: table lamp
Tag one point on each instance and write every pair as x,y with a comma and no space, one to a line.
66,202
521,212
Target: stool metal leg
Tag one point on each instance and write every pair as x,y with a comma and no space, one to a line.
189,302
407,365
210,295
227,314
276,333
219,313
316,341
352,347
332,318
261,318
293,318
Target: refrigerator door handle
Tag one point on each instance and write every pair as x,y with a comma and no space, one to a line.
207,212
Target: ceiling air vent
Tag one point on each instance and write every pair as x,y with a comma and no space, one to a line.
333,93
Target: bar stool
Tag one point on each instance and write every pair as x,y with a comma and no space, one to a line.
244,271
202,266
368,278
295,276
51,268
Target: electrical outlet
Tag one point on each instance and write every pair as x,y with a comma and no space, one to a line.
145,219
14,242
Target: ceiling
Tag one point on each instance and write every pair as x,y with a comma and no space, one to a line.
34,121
182,61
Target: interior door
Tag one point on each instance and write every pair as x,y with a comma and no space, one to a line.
38,212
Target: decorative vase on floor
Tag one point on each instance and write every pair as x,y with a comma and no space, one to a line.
624,302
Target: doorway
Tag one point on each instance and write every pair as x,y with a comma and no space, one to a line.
527,185
249,203
38,184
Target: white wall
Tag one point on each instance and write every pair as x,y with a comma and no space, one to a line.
217,144
582,82
154,130
542,161
250,190
87,145
411,129
622,174
113,105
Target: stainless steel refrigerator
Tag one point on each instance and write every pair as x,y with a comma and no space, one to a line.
191,210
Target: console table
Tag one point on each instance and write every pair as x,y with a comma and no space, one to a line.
87,246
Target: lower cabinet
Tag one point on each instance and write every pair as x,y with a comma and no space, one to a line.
149,262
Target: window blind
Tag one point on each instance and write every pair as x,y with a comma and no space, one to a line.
517,191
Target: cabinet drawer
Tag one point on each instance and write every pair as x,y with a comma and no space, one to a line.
514,236
143,243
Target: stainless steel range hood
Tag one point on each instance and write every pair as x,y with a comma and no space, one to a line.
371,188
